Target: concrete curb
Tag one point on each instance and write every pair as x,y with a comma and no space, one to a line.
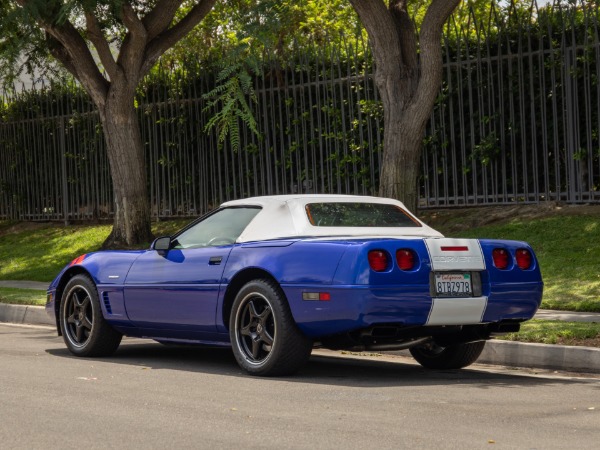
542,356
539,356
502,353
25,314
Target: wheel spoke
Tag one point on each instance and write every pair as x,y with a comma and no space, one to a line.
79,333
76,300
256,346
86,323
71,318
86,303
266,338
245,331
252,310
263,316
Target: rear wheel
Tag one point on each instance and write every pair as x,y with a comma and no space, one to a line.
83,327
433,356
265,339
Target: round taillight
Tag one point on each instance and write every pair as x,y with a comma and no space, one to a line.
378,260
501,258
405,259
523,257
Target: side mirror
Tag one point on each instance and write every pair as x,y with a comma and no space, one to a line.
161,244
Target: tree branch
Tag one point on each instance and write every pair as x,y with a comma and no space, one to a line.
100,43
406,33
381,29
132,49
431,56
161,16
69,47
168,38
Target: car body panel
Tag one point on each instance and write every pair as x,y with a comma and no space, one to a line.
178,289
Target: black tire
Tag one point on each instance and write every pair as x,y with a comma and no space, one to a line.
433,356
83,327
265,339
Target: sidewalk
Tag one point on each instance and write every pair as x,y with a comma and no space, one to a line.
36,285
496,352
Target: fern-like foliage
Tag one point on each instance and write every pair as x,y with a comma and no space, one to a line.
233,96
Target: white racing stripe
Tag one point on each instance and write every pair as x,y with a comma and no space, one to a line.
455,254
457,311
460,255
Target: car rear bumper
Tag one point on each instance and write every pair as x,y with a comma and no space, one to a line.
351,308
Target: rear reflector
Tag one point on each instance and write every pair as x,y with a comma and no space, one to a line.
378,260
316,296
523,258
405,259
501,258
462,248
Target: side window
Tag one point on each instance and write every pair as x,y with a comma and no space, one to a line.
221,228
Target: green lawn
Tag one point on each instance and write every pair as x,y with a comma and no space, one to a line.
568,248
37,252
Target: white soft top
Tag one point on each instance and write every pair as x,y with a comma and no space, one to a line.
284,216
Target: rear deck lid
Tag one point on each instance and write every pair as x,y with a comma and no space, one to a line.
455,254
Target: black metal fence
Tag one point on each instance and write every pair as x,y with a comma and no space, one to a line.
517,121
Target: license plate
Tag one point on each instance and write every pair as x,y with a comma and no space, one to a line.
453,285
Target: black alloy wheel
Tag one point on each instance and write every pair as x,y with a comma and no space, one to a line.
79,316
265,339
84,329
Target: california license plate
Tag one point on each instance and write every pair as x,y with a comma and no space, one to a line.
453,284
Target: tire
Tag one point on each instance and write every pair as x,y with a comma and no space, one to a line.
265,339
433,356
83,327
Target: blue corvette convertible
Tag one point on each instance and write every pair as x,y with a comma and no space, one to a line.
274,276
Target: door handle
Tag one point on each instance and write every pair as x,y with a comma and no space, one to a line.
215,260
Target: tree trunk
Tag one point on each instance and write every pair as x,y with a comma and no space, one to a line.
131,226
401,165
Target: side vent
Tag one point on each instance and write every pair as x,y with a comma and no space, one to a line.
106,302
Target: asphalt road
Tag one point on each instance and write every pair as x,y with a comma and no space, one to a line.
152,396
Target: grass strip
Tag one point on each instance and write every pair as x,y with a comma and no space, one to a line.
22,296
557,332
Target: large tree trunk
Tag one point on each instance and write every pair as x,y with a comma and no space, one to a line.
401,163
131,226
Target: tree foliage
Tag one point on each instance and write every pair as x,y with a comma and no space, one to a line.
108,46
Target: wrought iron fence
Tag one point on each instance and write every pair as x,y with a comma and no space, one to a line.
517,121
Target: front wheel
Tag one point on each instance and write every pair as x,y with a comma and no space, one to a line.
265,339
83,327
433,356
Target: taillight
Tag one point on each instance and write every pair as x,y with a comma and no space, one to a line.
501,258
405,259
378,260
523,258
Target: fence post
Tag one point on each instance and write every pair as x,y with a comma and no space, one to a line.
63,152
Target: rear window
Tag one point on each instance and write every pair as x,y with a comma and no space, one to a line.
358,215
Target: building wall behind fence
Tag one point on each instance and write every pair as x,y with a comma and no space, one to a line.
517,121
